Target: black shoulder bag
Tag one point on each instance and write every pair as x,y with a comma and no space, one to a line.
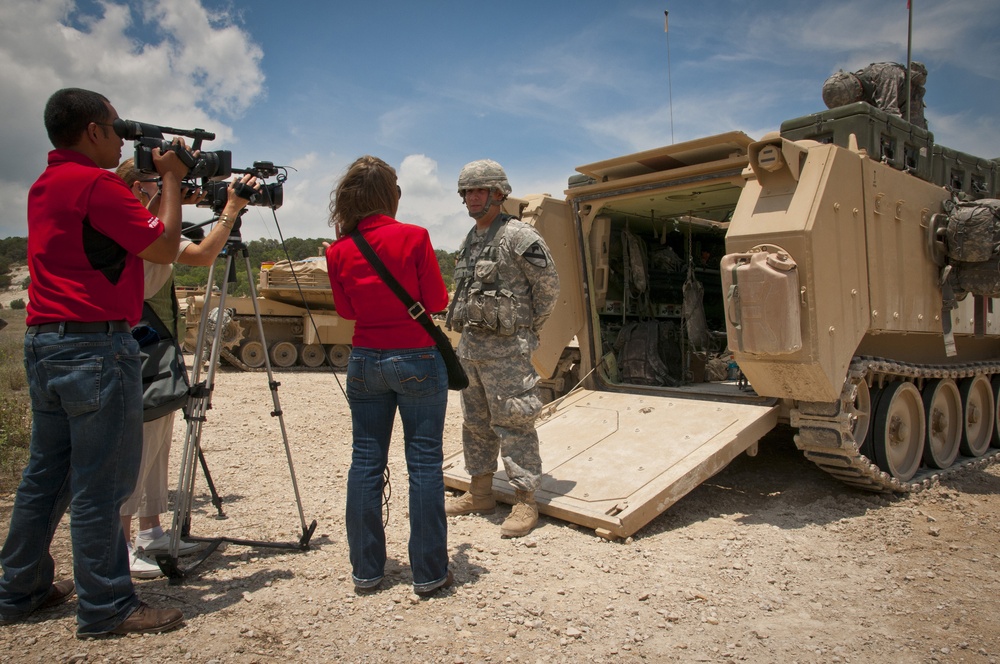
165,385
457,380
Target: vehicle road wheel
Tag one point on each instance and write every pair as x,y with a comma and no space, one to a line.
860,412
995,384
312,355
977,404
943,405
252,354
339,355
899,430
284,354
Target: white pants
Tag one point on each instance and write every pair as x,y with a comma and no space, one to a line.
150,495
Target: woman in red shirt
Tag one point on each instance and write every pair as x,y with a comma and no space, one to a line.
394,365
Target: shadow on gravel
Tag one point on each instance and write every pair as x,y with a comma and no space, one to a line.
200,595
467,572
778,486
973,481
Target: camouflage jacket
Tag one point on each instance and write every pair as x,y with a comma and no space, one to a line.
506,287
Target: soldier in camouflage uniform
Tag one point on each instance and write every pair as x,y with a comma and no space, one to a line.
883,85
506,287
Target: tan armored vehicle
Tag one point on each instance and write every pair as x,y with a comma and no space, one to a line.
301,327
714,288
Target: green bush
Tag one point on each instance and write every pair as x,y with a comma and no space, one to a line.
17,304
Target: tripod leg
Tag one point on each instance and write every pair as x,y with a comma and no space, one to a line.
199,402
216,498
306,530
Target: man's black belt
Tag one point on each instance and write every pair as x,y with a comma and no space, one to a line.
76,327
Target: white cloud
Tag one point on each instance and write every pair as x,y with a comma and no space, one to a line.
191,71
431,203
419,174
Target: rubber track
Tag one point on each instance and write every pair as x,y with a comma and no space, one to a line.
826,440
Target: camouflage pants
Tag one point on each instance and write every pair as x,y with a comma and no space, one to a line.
499,409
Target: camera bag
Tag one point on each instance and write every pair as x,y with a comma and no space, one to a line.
165,383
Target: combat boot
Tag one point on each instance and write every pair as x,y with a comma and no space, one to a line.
523,516
477,500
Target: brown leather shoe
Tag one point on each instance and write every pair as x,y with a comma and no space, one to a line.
58,593
147,620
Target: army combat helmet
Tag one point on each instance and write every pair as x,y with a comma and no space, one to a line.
483,174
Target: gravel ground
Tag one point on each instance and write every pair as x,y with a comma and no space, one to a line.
769,561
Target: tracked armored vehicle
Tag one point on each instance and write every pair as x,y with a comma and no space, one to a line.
719,287
301,325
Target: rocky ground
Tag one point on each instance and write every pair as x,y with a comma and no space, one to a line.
769,561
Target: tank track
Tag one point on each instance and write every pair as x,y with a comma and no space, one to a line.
825,429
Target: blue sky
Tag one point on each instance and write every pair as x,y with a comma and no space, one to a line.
541,87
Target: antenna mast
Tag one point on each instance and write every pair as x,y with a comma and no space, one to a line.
670,93
909,50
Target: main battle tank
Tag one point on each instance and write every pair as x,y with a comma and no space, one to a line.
301,326
715,288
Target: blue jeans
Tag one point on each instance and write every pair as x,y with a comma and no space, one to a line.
414,381
86,442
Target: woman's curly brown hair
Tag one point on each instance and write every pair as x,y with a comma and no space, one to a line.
368,187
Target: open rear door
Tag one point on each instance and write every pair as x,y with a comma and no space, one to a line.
613,461
553,220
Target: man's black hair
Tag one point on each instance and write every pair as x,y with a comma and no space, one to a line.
69,111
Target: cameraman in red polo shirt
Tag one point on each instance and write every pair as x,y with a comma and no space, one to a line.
87,237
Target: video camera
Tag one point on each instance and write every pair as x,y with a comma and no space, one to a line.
216,165
270,195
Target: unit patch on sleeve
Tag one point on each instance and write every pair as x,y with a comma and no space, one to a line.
536,255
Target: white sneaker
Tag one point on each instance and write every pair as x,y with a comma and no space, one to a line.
143,567
162,545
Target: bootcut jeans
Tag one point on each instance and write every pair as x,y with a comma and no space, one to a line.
413,381
86,443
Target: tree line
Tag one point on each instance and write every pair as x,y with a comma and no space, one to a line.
14,250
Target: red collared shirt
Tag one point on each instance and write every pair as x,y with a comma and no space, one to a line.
85,229
381,320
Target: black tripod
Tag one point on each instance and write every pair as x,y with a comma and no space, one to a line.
199,402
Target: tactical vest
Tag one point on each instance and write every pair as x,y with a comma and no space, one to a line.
164,304
491,294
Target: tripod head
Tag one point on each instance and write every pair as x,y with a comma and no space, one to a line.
234,245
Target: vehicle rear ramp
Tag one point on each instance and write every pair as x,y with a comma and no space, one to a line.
614,461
